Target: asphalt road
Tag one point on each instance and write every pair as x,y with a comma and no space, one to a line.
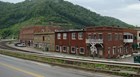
13,67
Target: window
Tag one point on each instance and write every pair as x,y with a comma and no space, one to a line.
89,36
80,35
82,50
64,49
73,36
94,36
114,50
43,38
73,49
58,36
118,51
131,37
128,37
64,35
125,36
57,47
109,36
42,30
100,36
139,34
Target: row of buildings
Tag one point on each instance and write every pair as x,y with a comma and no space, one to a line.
104,42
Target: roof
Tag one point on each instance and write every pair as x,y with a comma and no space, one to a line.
70,30
44,33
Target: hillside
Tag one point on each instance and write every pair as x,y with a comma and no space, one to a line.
49,12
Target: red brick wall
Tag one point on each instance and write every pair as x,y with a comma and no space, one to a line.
106,42
69,42
27,34
118,44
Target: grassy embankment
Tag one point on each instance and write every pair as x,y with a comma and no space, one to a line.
91,66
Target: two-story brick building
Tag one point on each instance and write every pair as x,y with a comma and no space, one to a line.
107,42
46,39
71,41
27,34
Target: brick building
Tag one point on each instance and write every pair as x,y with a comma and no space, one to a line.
107,42
46,39
27,34
71,41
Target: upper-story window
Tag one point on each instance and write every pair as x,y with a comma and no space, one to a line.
109,36
73,36
89,36
80,35
128,37
42,30
64,35
58,36
125,37
94,36
131,37
100,36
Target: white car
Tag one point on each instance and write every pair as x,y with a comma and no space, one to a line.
20,44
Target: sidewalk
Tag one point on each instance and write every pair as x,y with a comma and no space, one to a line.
129,59
50,53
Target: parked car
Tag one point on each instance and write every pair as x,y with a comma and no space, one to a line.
20,44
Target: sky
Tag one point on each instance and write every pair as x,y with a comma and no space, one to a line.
125,10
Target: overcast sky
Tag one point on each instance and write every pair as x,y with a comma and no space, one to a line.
125,10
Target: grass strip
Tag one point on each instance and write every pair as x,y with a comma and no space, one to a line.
116,70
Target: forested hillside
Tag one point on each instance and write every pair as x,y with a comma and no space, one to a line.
49,12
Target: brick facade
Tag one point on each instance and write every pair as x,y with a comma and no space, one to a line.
69,42
46,39
27,34
106,42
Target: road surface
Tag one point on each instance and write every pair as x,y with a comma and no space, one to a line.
13,67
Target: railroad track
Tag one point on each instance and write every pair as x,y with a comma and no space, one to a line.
4,46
